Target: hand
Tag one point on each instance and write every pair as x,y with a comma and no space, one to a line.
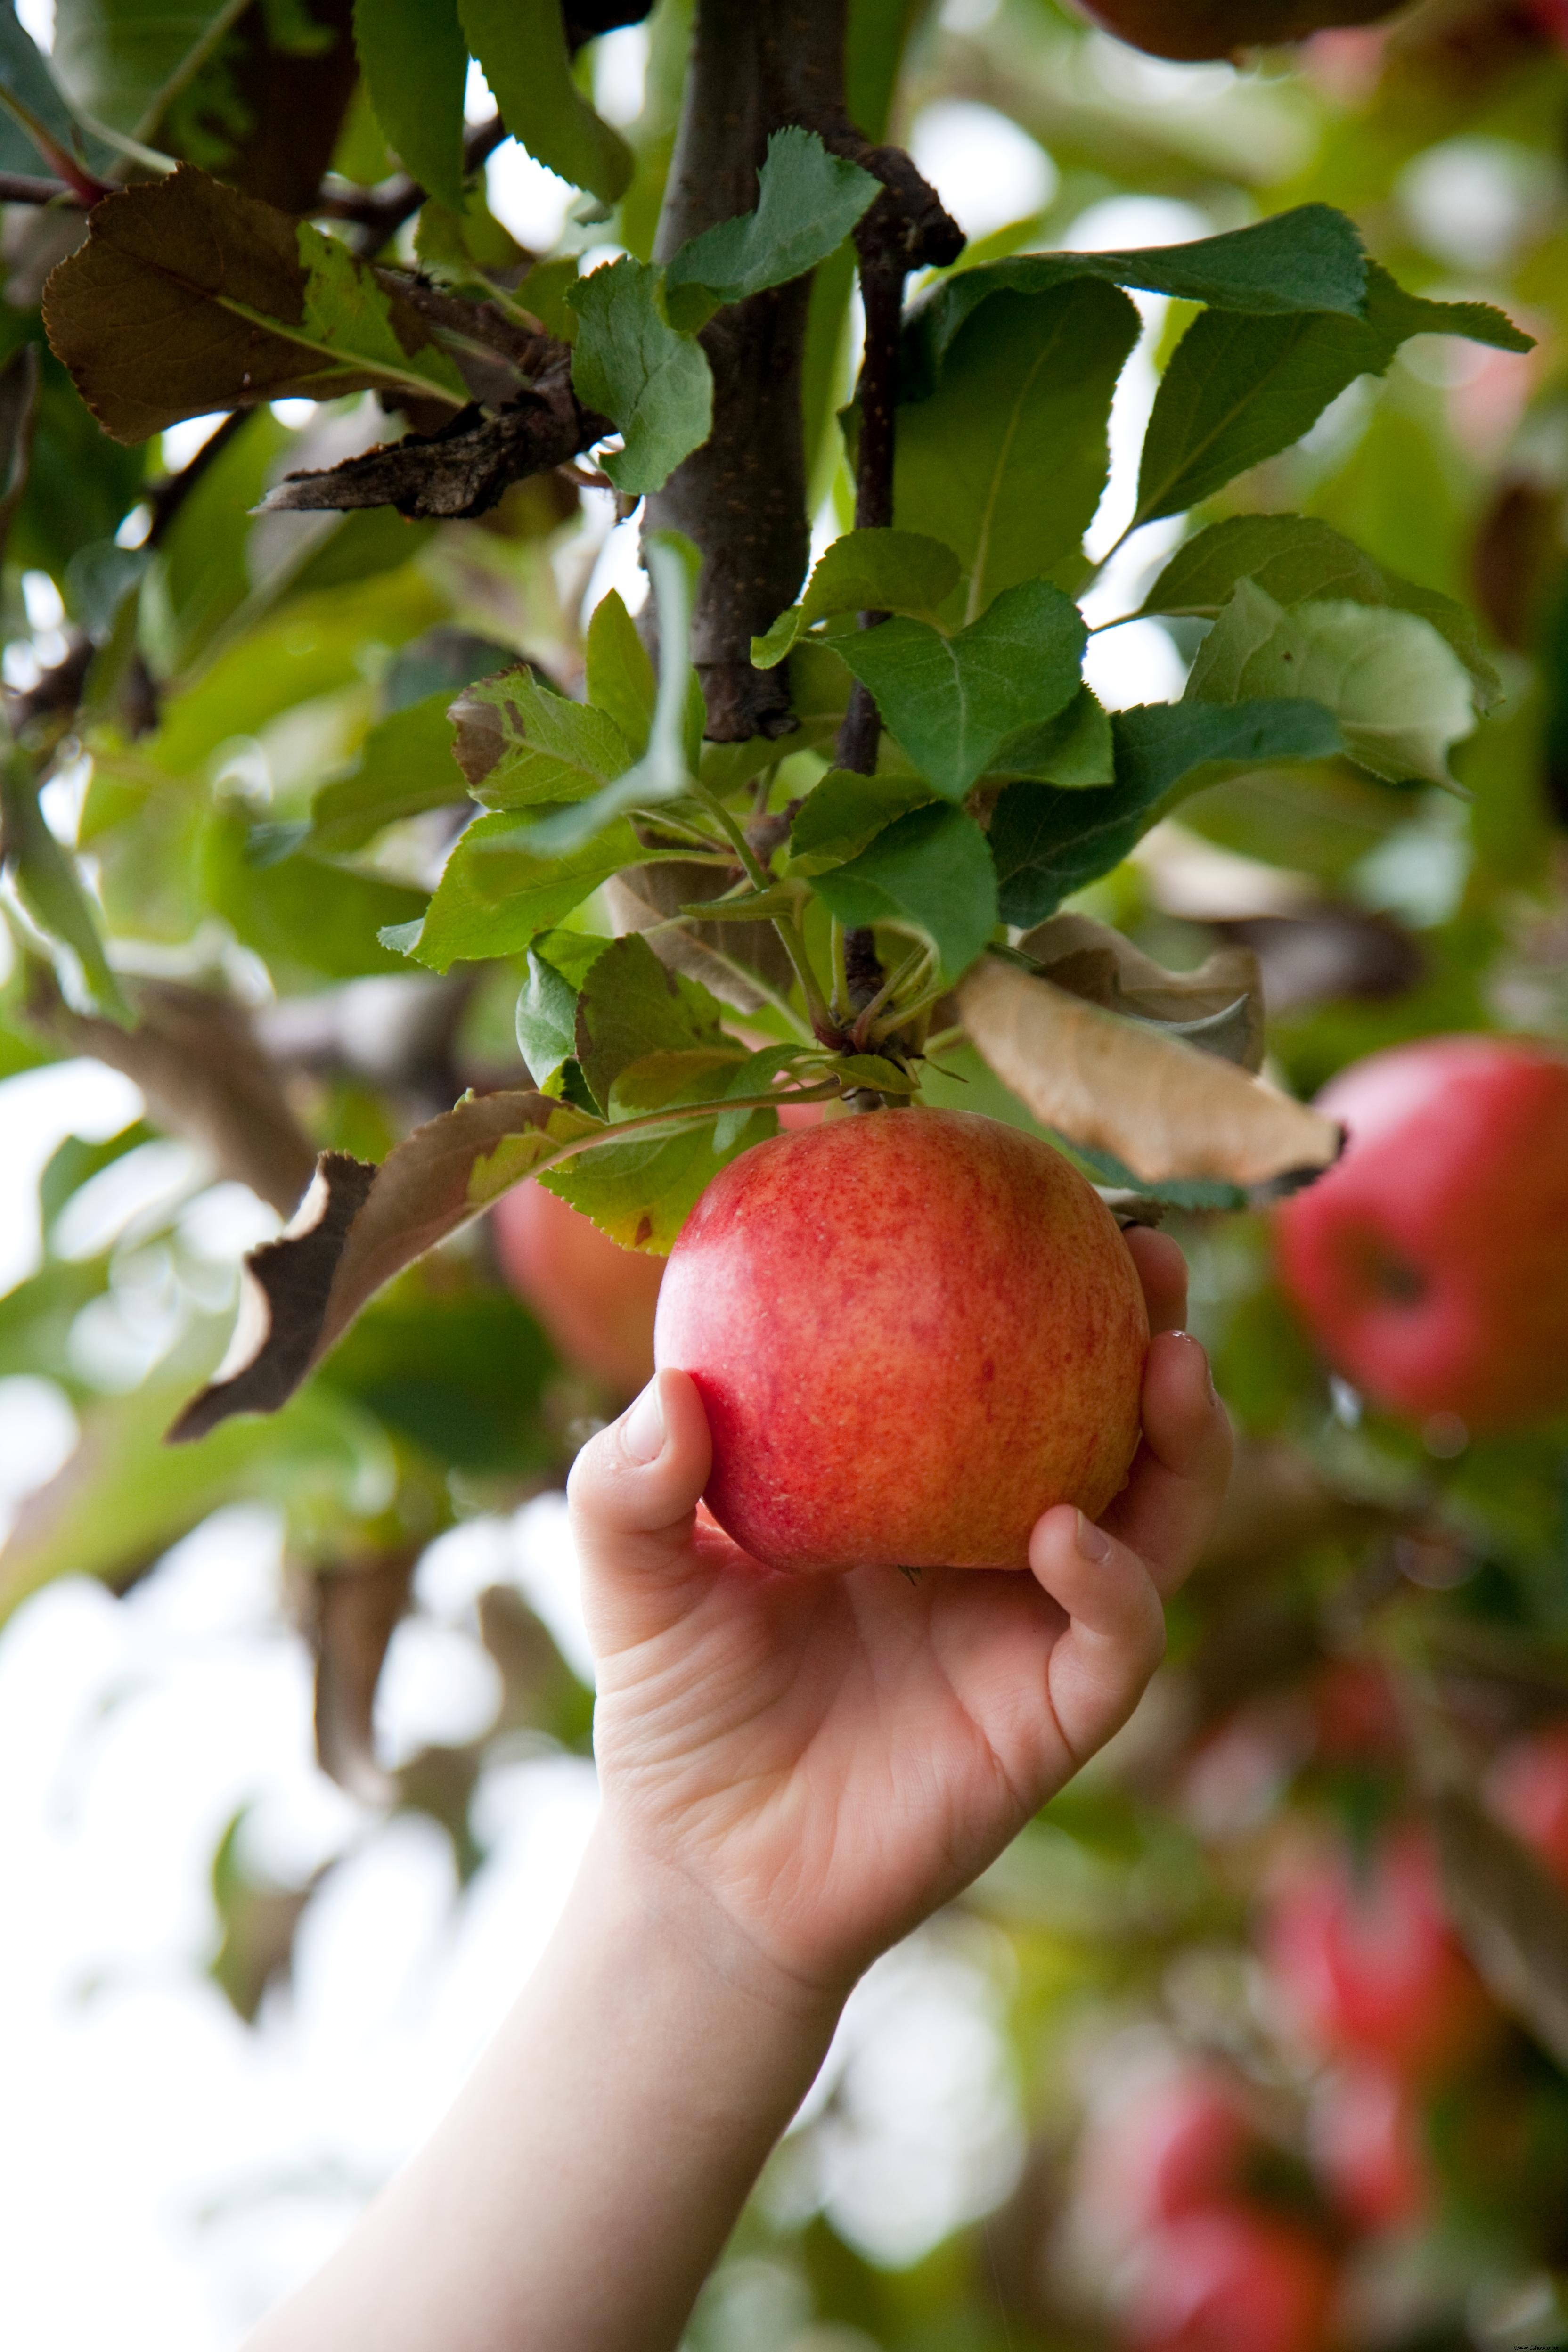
827,1759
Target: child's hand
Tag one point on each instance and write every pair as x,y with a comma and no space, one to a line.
829,1759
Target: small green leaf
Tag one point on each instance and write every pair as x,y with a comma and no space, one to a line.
1295,559
631,365
1046,843
845,811
620,678
807,203
415,61
44,876
1399,691
558,963
866,572
1074,749
521,45
1239,389
520,744
500,890
406,766
641,1191
1006,460
630,1005
664,772
929,873
954,702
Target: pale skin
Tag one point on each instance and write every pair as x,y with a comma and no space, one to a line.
797,1770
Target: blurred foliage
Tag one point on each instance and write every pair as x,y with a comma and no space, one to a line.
1384,1609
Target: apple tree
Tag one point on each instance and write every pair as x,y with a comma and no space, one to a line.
397,872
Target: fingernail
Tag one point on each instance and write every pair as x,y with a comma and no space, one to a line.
1092,1545
1187,1339
642,1431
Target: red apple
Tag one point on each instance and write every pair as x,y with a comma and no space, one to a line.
1366,2145
1162,2148
1527,1789
913,1332
1230,2278
1362,1959
595,1299
1432,1262
1218,29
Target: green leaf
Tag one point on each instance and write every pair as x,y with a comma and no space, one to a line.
845,811
301,910
1006,460
641,1191
1076,749
630,1005
1047,844
631,365
1295,559
558,963
866,572
1239,389
929,873
35,100
620,678
664,772
43,874
954,702
500,890
416,61
519,743
807,203
119,61
1310,258
406,766
188,297
1399,691
521,45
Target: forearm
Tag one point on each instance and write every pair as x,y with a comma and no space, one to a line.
590,2172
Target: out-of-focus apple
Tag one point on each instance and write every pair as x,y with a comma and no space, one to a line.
1163,2147
1366,2145
913,1331
1551,18
1189,29
1362,1959
1231,2278
1527,1789
595,1299
1432,1262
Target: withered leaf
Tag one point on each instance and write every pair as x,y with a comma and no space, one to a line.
357,1226
352,1611
457,472
188,297
1162,1107
1218,1007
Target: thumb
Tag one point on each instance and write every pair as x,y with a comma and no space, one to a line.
633,1495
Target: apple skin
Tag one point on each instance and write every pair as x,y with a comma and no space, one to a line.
1230,2278
1193,29
1362,1959
1526,1790
595,1298
1431,1262
913,1331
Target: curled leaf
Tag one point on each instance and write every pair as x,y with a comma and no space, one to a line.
1158,1106
354,1609
1218,1007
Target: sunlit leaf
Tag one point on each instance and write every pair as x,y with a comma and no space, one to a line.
415,61
807,203
521,45
866,571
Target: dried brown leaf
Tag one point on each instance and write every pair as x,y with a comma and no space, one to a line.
1161,1106
720,955
359,1225
1219,1005
352,1611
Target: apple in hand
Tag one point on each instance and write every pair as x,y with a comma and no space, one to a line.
1231,2278
913,1331
595,1298
1217,28
1431,1263
1362,1959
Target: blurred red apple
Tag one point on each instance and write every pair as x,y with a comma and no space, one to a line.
594,1299
913,1332
1232,2279
1217,28
1432,1262
1366,2145
1551,18
1362,1959
1162,2148
1527,1789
